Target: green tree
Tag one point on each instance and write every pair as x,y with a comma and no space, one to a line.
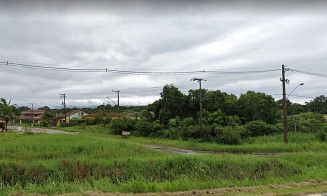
7,111
318,104
174,101
258,106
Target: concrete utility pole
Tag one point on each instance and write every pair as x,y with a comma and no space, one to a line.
64,103
200,97
117,91
284,81
32,114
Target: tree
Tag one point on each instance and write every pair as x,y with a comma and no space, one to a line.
174,100
48,117
7,111
45,108
258,106
318,105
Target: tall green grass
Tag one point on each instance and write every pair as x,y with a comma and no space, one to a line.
54,164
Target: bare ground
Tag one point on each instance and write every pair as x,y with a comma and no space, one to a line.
43,130
199,152
299,189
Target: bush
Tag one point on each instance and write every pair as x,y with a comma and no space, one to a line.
260,128
228,135
322,136
307,122
143,127
174,123
44,123
194,131
219,118
119,125
171,133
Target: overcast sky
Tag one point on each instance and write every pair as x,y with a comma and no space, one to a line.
159,36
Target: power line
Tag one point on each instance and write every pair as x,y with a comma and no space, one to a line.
308,73
131,72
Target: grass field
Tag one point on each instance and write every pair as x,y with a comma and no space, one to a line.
96,161
298,142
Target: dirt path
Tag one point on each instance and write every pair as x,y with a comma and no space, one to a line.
43,130
300,189
199,152
174,150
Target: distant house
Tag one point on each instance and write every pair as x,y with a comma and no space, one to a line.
133,115
77,114
29,116
112,115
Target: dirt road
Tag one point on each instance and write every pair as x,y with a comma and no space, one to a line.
42,130
174,150
299,189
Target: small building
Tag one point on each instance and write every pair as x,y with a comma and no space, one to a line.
115,115
112,115
73,114
29,116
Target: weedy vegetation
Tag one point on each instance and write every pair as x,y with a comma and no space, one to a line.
54,164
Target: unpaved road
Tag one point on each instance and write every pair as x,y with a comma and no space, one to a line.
299,189
199,152
42,130
174,150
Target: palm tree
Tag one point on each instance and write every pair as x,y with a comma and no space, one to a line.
7,111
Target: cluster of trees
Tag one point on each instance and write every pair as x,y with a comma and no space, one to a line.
226,117
8,112
317,105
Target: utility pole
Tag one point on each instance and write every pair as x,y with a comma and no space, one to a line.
32,114
117,91
200,97
64,103
284,81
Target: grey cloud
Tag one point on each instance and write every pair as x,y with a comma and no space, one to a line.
158,35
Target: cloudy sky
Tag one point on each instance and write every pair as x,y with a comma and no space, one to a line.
159,36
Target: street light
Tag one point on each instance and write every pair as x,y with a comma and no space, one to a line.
294,89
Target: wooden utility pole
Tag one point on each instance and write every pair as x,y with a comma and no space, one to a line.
200,97
32,123
284,81
64,103
117,91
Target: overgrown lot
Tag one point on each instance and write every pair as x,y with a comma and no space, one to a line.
52,164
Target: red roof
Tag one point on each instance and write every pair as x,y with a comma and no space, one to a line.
62,115
114,114
33,111
91,115
2,121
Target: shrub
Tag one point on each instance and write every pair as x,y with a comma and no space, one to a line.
228,135
322,136
171,133
143,127
44,123
307,122
119,125
194,131
174,122
260,128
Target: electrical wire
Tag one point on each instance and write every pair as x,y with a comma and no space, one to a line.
307,72
131,72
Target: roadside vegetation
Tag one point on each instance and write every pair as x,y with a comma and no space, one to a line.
99,158
53,164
